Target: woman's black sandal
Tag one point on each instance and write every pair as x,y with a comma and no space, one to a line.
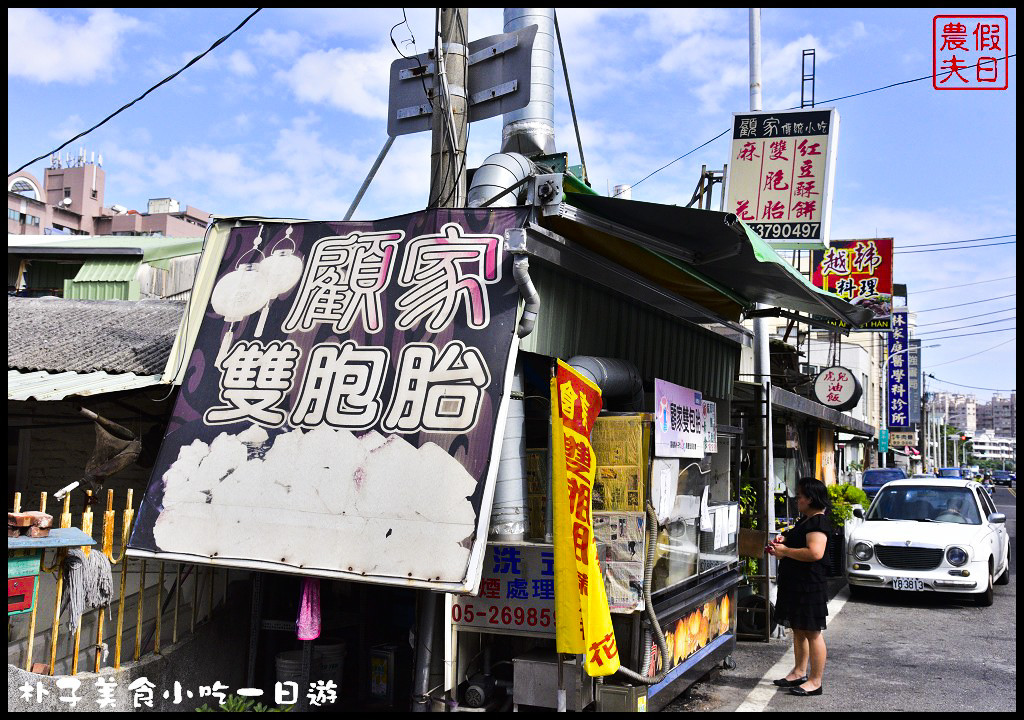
784,683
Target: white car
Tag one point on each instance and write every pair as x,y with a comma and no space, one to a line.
929,534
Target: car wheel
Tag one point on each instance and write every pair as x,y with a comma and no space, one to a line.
1004,579
986,598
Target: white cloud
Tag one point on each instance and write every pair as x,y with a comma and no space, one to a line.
350,80
278,44
240,64
48,49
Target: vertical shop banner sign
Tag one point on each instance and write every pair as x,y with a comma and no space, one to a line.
678,422
860,272
898,401
781,172
914,382
584,622
710,423
342,410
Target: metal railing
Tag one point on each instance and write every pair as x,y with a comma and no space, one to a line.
152,603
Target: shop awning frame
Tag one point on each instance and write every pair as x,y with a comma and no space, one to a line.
717,246
786,402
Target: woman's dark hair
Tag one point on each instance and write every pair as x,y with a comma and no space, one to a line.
815,492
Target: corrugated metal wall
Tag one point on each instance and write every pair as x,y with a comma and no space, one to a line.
577,318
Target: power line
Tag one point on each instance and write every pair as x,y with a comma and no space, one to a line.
797,107
724,132
964,247
972,387
955,242
947,337
966,317
950,287
980,352
974,302
167,79
972,325
904,82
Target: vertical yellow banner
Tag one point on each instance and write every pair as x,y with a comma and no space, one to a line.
583,621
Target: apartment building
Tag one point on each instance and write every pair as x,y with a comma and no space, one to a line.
70,201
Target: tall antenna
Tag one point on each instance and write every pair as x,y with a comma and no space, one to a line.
807,77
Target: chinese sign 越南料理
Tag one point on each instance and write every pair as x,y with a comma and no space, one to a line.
678,421
344,391
860,272
970,52
781,169
898,396
584,619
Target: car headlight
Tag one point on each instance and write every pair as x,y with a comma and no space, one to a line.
957,556
862,551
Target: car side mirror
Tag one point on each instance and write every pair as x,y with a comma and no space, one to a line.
997,518
858,512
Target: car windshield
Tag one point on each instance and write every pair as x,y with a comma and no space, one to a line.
926,504
879,477
949,472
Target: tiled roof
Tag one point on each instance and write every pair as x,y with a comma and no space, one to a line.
114,336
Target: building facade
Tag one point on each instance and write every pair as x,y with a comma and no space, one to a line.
70,200
999,415
960,411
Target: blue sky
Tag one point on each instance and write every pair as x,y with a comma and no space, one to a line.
287,116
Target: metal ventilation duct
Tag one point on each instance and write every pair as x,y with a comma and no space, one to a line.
531,131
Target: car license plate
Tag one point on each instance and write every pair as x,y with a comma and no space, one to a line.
907,584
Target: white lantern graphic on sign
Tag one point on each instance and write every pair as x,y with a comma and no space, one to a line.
239,294
282,269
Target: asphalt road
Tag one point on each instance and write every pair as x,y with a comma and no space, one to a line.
888,652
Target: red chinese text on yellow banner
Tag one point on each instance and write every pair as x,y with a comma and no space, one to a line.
583,621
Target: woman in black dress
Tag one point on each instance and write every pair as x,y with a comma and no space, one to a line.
803,592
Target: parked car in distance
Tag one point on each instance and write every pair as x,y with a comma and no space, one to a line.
949,473
1002,477
923,475
930,535
874,478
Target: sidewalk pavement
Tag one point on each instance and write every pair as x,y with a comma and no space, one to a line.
728,690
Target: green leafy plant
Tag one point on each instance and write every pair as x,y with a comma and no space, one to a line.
843,498
235,703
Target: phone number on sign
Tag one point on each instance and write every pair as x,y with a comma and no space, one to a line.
507,616
793,231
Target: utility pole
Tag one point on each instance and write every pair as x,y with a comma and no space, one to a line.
449,136
450,119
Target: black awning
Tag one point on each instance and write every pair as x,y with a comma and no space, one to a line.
716,245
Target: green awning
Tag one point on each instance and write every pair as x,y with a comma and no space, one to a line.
716,245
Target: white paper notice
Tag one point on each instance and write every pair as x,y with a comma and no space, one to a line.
734,519
705,516
665,485
721,527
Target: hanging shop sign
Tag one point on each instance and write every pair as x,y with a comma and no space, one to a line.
899,439
781,173
517,593
341,412
710,425
914,382
584,622
678,421
898,396
836,387
859,271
